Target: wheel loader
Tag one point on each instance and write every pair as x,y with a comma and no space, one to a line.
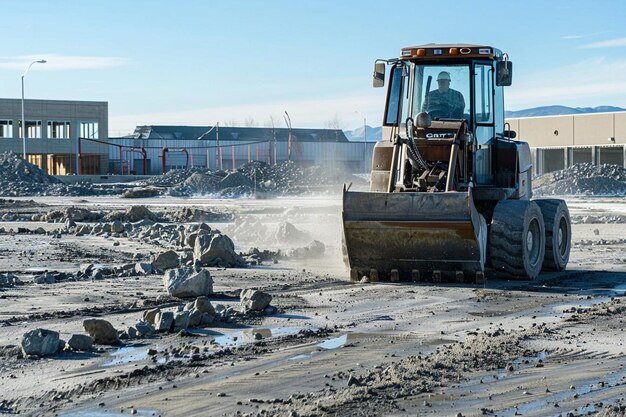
450,195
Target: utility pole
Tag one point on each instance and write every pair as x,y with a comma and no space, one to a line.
288,123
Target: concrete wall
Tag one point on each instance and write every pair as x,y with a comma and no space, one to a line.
559,142
73,112
571,130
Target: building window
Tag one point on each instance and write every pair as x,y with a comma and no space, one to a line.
6,128
58,130
89,130
33,129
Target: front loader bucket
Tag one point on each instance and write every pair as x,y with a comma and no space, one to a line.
413,236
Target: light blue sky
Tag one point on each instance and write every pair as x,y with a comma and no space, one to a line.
200,62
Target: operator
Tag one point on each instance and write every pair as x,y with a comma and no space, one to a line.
444,102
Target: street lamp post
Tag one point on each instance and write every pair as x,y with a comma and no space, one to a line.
42,61
288,123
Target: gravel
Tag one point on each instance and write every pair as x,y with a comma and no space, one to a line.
21,178
583,180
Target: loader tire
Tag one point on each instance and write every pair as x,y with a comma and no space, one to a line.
558,233
517,239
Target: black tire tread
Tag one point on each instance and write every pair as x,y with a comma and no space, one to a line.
549,208
506,232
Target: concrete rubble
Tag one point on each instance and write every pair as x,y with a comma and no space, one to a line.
20,178
110,307
101,331
188,282
254,300
41,342
583,179
80,342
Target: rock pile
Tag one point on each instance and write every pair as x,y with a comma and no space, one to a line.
196,215
583,179
21,178
9,280
283,178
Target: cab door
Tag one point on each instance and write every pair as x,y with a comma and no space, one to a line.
483,107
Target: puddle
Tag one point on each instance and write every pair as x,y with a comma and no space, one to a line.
240,337
329,344
334,343
130,354
141,412
300,357
617,291
588,387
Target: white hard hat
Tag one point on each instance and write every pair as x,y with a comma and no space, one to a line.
444,75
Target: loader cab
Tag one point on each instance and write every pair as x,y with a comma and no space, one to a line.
455,82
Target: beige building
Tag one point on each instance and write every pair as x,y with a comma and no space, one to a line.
52,131
558,142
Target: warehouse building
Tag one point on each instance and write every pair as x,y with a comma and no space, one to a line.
157,149
66,137
52,131
558,142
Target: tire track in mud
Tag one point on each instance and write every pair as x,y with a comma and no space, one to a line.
410,382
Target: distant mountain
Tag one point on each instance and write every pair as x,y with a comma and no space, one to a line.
560,110
373,134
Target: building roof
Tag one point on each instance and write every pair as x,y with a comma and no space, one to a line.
248,134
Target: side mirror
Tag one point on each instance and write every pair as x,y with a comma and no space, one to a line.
511,134
379,75
504,73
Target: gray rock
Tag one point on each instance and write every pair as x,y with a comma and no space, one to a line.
288,233
166,260
206,319
164,321
132,332
187,282
313,250
141,192
144,328
235,179
80,342
101,331
254,300
216,250
203,305
40,342
195,318
46,278
86,268
143,268
117,227
181,321
151,315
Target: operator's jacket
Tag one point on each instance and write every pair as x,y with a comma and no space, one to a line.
448,105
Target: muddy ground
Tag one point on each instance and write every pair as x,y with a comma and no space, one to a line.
553,346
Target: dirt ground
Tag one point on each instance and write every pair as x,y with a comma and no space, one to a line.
553,346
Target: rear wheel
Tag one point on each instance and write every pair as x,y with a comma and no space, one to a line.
517,239
558,233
